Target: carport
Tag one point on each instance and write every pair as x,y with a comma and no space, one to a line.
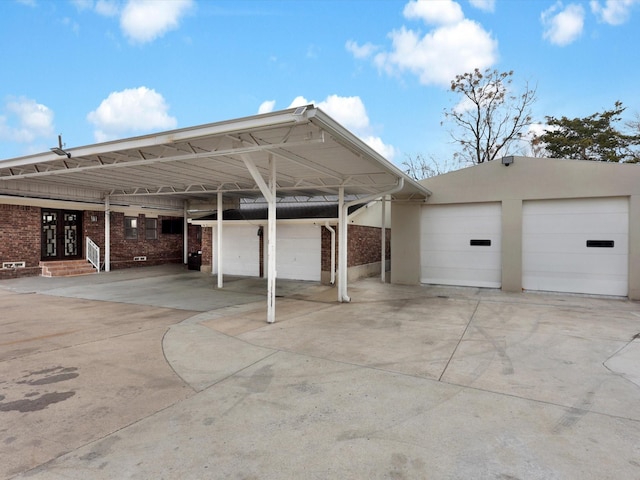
299,154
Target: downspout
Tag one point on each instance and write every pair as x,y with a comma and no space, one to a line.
342,286
333,252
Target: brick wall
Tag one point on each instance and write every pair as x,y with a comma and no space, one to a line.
364,246
20,239
167,248
205,246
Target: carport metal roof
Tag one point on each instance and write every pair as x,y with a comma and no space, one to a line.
295,153
315,156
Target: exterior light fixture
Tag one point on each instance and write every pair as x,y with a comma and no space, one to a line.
59,150
506,161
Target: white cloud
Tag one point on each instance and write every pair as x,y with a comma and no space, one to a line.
437,57
267,106
131,110
614,12
24,121
107,8
143,21
562,26
351,113
360,51
454,45
443,12
485,5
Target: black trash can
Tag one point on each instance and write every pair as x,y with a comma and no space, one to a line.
194,261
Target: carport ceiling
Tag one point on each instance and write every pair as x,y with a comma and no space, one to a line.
314,156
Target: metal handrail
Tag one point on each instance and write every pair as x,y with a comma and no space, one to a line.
93,253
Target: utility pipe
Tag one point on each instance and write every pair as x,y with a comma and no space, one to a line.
333,252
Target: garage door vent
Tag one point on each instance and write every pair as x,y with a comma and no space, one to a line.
600,243
480,243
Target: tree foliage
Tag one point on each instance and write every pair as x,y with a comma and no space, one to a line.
490,117
594,137
420,167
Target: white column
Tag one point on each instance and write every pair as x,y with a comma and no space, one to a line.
185,235
383,257
342,248
271,246
219,242
107,234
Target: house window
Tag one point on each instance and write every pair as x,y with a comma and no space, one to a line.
151,228
131,228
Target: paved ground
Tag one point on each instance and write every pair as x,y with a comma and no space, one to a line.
155,374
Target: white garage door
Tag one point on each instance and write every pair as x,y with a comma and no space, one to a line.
298,252
240,250
578,246
461,245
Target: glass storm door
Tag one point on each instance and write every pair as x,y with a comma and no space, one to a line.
61,234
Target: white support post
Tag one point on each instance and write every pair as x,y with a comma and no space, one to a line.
342,247
185,235
271,262
107,234
269,193
218,253
383,256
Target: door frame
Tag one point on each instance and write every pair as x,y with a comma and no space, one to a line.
59,232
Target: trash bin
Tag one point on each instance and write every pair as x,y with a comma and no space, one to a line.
194,261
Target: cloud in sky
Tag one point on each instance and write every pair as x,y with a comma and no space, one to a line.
486,5
562,26
141,21
350,112
614,12
454,44
23,120
134,110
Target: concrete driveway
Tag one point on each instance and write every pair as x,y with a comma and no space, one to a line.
155,374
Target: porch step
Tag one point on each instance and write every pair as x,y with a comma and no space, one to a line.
66,268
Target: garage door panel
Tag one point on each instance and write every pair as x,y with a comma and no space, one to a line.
448,258
461,242
240,250
584,223
298,252
574,264
572,243
555,252
461,260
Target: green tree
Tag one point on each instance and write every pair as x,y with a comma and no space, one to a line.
594,137
490,118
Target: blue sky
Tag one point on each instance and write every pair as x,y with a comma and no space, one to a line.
96,70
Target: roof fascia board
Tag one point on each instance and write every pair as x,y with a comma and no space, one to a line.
255,122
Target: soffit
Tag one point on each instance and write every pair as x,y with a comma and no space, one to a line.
314,157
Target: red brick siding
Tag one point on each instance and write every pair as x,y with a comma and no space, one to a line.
206,246
167,248
20,239
364,246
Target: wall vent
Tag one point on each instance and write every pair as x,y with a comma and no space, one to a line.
14,264
139,259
